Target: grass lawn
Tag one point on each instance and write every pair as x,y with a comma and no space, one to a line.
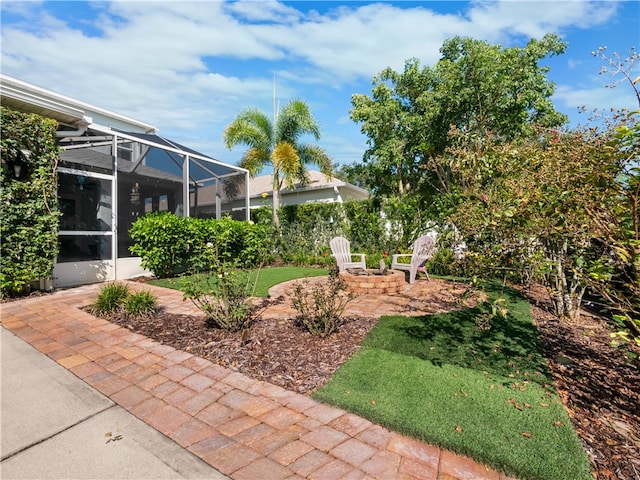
481,393
266,278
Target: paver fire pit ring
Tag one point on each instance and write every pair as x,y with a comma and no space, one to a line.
374,284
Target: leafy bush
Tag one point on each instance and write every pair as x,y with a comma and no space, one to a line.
442,262
222,293
29,206
162,241
117,297
306,231
321,306
140,303
257,247
168,244
366,227
373,226
112,298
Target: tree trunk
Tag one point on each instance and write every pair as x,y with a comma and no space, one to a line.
566,294
276,199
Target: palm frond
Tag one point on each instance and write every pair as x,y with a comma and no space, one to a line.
316,155
255,159
289,159
251,128
286,161
295,120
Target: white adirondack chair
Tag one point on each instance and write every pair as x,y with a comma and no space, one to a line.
422,250
341,251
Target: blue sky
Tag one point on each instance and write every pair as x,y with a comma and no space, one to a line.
189,67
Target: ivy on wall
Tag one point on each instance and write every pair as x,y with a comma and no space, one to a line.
28,206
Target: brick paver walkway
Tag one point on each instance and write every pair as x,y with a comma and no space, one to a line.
245,428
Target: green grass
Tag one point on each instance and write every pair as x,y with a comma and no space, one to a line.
267,278
485,394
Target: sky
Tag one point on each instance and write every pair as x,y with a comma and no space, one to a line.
189,68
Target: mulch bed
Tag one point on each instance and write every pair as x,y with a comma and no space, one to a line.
599,385
276,351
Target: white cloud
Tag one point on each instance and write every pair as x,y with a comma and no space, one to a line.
188,66
146,39
262,11
597,97
535,18
574,64
362,41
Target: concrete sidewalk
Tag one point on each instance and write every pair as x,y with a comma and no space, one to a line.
55,426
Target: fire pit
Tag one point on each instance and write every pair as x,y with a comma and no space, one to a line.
373,281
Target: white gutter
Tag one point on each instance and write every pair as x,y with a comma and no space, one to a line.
41,97
71,133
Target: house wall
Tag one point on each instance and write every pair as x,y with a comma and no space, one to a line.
328,194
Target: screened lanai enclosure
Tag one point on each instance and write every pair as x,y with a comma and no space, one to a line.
112,170
107,179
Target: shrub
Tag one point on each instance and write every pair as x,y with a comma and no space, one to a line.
222,293
162,242
258,246
321,306
117,297
168,244
112,297
140,303
373,226
442,262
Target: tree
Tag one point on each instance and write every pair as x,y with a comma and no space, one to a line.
616,276
359,175
388,118
618,65
478,88
277,143
529,206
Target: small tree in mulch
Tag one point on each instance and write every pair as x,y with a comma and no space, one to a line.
222,293
321,307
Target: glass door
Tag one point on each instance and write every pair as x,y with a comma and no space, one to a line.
86,237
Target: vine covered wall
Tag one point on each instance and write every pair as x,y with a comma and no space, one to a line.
28,205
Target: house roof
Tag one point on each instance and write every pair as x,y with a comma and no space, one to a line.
26,97
317,181
94,122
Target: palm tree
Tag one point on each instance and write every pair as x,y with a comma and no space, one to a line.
278,143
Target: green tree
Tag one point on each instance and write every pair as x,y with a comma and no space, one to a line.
475,87
386,118
359,175
278,143
536,206
616,275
